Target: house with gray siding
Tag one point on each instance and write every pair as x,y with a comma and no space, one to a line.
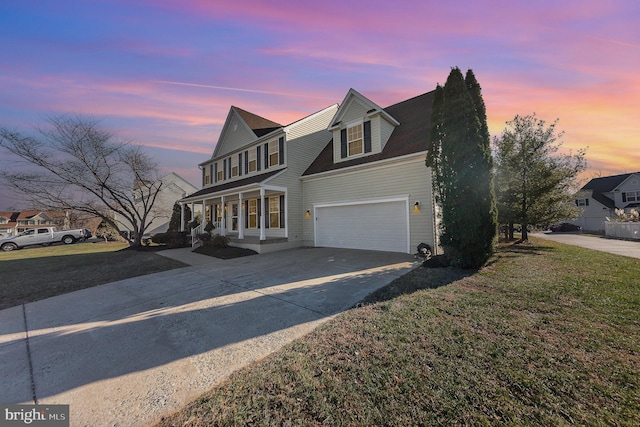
352,175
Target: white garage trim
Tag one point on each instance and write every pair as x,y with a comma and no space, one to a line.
403,199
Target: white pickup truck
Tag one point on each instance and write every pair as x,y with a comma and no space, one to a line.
43,236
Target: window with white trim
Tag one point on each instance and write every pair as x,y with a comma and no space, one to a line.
274,153
354,140
220,172
631,196
253,160
274,212
582,202
234,166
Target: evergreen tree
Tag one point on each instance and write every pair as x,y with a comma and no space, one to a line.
174,222
461,161
535,184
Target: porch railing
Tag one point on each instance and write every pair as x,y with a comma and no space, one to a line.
197,231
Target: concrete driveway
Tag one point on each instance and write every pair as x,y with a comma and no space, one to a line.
128,352
602,244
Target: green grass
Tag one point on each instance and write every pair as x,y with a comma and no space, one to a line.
547,334
36,273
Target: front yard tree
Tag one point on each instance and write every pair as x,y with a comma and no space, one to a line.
75,164
535,184
460,157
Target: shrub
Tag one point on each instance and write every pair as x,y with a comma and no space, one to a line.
632,216
209,227
220,242
205,238
173,239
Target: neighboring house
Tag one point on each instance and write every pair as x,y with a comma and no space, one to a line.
173,188
351,176
29,219
600,197
8,223
12,223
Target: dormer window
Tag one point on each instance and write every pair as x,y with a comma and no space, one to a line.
354,140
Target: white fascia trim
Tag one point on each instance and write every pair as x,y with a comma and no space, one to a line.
408,158
399,198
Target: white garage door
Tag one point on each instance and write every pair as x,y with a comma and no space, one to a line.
380,226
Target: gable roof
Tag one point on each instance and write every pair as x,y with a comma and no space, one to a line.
409,137
259,125
372,108
28,214
10,216
606,184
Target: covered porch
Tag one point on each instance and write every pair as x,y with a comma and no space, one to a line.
252,216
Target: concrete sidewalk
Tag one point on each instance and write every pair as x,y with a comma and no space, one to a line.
602,244
129,352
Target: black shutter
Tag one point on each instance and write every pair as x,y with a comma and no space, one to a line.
246,162
229,165
259,206
586,201
240,164
267,213
343,143
624,197
281,150
246,214
258,157
203,174
266,155
215,172
367,136
224,168
282,211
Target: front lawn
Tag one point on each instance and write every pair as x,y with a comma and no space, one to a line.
36,273
546,335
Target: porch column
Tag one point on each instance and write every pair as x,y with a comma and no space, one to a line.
240,217
193,211
181,216
262,233
204,211
285,209
223,223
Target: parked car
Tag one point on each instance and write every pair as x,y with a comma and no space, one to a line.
564,227
42,236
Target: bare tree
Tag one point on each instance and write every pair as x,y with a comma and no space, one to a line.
75,164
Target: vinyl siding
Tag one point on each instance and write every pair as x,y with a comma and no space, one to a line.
386,129
234,140
301,152
355,111
396,179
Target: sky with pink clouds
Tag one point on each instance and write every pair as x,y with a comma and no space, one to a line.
163,73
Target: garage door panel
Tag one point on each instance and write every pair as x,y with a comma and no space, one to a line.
374,226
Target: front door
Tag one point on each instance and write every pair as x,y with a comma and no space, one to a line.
232,219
